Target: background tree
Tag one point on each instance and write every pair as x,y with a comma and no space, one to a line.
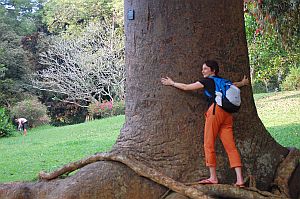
13,64
89,67
17,19
67,22
23,15
273,40
70,17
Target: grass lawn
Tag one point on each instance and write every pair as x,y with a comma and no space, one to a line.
47,148
280,113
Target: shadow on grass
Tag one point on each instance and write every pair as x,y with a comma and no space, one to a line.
288,97
292,96
286,135
274,94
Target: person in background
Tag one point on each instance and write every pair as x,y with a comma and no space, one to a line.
22,125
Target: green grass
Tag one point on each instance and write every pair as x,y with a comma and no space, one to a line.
280,113
47,148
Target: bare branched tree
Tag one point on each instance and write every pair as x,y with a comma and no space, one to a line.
87,68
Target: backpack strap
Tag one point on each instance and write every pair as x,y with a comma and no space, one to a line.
214,110
215,103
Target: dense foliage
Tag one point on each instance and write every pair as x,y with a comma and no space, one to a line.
17,19
71,16
23,15
12,62
63,113
6,126
292,81
33,110
106,109
273,37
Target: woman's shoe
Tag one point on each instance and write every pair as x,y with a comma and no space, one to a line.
208,181
239,185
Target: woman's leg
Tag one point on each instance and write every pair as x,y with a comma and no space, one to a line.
211,129
239,176
226,136
212,123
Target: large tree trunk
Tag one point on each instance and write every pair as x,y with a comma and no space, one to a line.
164,126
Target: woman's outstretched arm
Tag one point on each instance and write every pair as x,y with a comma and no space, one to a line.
187,87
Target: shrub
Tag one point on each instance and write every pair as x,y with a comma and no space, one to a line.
292,80
33,110
106,109
119,108
258,86
6,126
63,113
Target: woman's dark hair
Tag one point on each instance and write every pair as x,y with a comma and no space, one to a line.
213,65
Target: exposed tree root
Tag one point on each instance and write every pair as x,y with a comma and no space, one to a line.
284,172
229,191
195,191
139,168
232,191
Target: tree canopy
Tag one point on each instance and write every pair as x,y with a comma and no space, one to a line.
72,16
273,39
87,67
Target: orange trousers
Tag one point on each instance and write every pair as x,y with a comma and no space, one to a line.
219,124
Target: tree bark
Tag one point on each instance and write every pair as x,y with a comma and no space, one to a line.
164,126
